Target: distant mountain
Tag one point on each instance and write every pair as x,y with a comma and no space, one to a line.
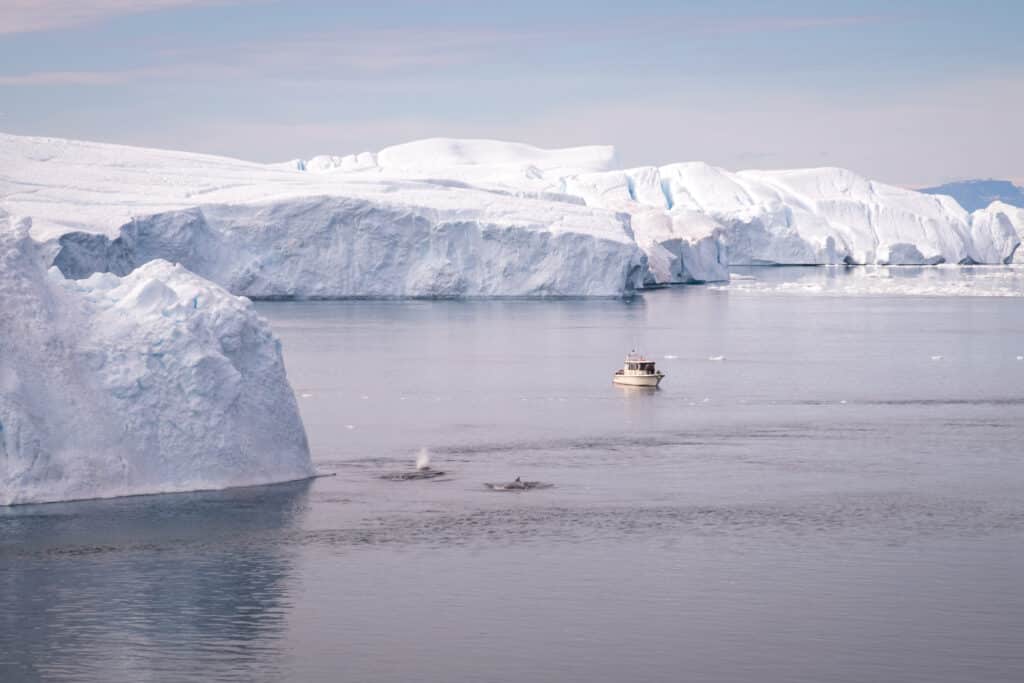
978,194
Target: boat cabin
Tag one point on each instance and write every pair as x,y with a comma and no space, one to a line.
640,367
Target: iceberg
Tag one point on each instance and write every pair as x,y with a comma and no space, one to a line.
155,382
694,220
824,216
297,230
999,227
470,218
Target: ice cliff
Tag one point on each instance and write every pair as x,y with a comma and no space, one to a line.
154,382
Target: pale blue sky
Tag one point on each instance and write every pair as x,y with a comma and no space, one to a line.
909,92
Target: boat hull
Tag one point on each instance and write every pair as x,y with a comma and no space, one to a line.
638,380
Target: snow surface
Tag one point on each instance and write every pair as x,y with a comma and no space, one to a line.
155,382
464,218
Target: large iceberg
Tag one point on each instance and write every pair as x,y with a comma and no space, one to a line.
465,218
276,231
155,382
693,220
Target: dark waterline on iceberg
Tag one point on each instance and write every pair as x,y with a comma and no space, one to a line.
168,493
826,502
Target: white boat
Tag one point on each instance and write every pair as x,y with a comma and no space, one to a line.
638,372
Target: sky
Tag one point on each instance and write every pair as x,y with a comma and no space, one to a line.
909,92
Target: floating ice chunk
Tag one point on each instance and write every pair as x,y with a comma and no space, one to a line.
716,358
937,357
669,356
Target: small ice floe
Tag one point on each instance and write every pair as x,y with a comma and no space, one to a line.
716,358
365,397
706,400
843,402
518,485
670,356
307,395
423,469
1020,357
937,357
741,276
350,426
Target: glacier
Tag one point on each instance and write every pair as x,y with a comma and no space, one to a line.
159,381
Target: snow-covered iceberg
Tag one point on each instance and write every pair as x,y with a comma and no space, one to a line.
693,220
155,382
277,231
1000,228
707,218
466,218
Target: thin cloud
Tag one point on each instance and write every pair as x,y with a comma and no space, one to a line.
404,51
323,58
67,78
783,24
29,16
118,77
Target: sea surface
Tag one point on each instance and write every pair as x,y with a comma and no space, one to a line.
828,486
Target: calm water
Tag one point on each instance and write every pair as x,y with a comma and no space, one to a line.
839,498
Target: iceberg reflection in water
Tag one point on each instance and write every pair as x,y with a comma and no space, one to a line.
132,588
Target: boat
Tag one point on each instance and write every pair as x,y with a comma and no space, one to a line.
638,371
